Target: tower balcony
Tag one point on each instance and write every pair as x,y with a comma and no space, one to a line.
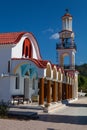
66,45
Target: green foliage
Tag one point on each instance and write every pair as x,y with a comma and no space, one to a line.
82,83
82,69
82,79
3,109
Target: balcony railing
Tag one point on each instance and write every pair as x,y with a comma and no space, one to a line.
66,46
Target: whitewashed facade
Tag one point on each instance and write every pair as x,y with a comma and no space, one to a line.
12,81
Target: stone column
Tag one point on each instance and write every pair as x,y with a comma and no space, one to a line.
63,91
67,91
49,92
54,91
70,91
59,91
41,94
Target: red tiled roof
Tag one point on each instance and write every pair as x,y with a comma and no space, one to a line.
71,73
39,63
10,38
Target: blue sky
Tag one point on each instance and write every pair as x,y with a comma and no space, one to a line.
43,19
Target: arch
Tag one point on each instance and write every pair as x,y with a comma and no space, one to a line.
54,73
27,48
48,70
35,47
62,58
59,75
26,70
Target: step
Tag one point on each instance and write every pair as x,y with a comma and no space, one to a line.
53,107
23,115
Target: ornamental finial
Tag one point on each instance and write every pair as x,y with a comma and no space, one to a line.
67,10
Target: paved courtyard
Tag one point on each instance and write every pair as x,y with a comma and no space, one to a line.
71,117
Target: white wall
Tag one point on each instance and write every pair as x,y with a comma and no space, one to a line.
5,56
20,91
17,50
5,89
13,90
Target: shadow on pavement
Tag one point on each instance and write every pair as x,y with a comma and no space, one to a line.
52,129
81,120
76,105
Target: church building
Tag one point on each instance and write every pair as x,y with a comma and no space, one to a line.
24,73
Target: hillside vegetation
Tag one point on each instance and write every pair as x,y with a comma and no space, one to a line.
82,77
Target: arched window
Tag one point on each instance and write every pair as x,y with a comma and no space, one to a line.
48,71
59,75
27,48
54,73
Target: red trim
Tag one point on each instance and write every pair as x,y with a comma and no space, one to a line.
36,46
39,63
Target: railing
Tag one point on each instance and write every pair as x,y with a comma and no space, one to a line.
66,46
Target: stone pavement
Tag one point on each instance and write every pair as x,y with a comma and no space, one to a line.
71,117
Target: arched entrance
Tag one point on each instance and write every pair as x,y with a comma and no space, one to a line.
28,80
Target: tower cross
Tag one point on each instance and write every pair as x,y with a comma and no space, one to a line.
67,10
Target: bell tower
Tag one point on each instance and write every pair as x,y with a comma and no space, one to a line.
66,45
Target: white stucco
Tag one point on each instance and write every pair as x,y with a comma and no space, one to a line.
5,56
17,49
5,93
